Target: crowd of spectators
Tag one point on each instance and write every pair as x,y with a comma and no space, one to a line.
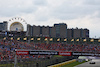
70,47
7,48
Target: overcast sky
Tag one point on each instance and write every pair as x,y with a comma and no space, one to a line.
75,13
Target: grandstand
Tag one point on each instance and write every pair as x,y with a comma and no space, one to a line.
43,51
8,46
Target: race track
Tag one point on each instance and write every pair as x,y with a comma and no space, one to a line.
97,64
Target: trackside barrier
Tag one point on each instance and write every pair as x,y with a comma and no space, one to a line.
64,63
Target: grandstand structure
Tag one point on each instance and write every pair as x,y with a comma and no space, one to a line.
42,42
32,51
59,33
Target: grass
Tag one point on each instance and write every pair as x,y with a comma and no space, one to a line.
57,56
73,64
6,65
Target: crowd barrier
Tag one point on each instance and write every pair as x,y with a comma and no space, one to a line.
64,63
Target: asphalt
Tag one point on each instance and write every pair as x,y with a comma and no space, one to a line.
87,64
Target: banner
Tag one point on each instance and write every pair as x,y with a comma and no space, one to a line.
65,53
85,54
51,52
22,52
43,52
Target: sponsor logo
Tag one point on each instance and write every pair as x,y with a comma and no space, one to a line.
65,53
85,54
43,53
22,52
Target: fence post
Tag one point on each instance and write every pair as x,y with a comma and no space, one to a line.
15,63
37,64
57,60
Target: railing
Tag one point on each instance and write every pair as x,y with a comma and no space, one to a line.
38,62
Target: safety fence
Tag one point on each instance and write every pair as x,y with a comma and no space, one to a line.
40,62
45,62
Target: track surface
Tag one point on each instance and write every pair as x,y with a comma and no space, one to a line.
97,64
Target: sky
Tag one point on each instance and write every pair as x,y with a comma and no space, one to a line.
75,13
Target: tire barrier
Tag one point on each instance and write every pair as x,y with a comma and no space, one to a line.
64,63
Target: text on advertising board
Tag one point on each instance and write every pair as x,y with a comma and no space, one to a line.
22,52
65,53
